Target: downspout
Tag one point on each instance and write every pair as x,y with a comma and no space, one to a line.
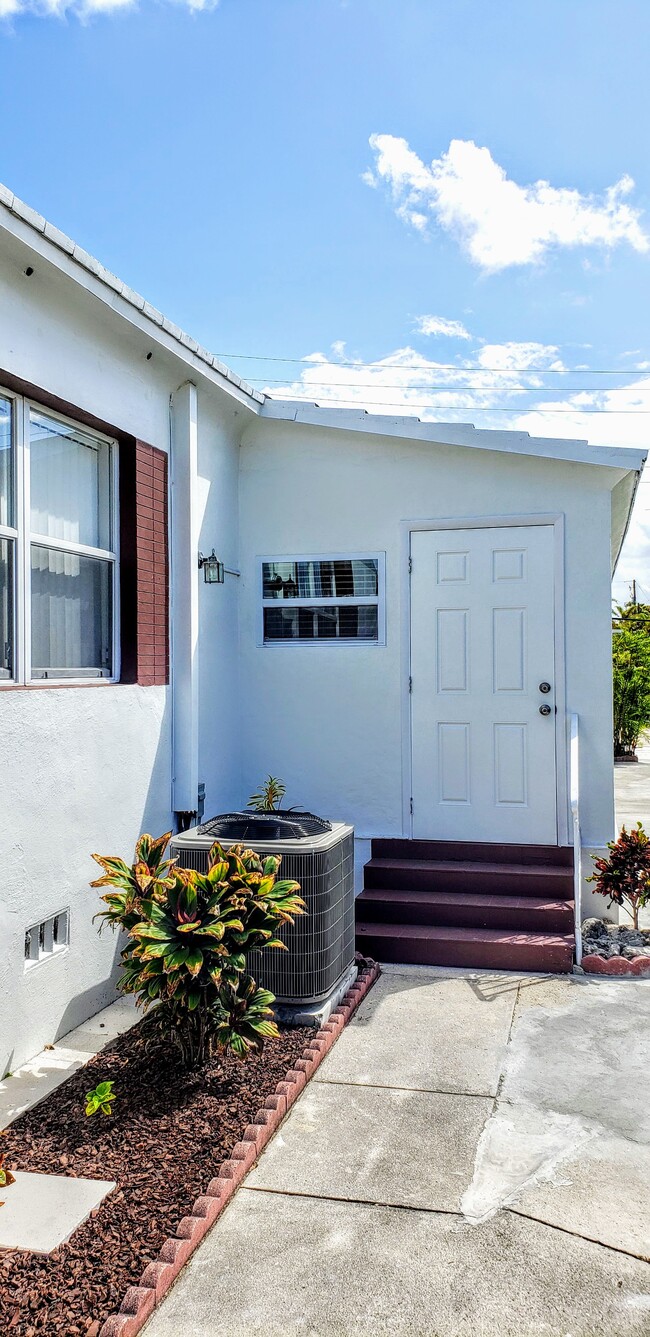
184,603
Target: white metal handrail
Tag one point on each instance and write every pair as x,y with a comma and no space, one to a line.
574,790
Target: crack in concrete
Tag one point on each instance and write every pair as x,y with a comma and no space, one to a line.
506,1049
579,1235
417,1090
353,1202
442,1211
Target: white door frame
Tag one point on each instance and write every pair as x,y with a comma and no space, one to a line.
408,527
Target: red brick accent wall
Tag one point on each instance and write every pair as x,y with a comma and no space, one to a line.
152,565
144,564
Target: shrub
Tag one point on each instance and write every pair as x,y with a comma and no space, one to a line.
624,877
189,934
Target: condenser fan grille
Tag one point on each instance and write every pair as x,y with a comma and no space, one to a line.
264,826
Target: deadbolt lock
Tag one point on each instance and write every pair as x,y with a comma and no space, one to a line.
545,687
545,710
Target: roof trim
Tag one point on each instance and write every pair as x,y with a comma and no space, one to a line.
453,434
44,239
49,242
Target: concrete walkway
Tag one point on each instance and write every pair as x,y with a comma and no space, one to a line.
632,790
471,1160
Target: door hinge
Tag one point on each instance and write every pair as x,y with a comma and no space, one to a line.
410,684
411,806
410,565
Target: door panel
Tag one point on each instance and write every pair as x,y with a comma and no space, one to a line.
482,640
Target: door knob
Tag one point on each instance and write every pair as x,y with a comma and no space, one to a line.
545,710
545,687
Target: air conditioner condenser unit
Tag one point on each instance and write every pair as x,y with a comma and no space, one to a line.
319,856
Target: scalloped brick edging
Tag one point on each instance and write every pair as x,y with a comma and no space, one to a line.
616,965
140,1301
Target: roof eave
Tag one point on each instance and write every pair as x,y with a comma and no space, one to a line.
49,243
453,434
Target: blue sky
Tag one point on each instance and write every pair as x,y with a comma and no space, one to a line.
262,171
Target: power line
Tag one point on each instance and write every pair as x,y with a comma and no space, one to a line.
336,401
533,389
437,366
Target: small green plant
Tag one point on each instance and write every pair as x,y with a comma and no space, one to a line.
189,935
100,1099
624,877
269,797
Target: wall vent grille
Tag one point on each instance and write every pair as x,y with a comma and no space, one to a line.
47,939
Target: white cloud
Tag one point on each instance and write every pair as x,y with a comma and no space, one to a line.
438,326
83,9
498,222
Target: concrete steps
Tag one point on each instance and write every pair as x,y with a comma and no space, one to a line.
484,878
466,909
501,907
484,949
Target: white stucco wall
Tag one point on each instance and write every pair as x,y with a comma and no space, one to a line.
327,717
82,770
220,751
87,769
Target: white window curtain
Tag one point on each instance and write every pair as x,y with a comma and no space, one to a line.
70,611
69,484
71,591
6,464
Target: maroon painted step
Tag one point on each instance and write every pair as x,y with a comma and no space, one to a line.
479,948
433,902
478,876
467,909
471,851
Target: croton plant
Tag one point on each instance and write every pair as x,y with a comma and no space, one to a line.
624,877
189,934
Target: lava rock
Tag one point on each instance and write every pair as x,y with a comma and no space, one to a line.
594,928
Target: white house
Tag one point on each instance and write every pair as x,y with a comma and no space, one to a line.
411,615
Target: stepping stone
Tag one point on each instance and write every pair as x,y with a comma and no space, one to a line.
40,1212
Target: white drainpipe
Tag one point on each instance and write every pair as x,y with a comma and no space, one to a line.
184,599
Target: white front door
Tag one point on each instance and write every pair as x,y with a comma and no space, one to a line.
482,666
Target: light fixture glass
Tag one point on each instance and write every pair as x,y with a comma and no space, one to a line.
213,569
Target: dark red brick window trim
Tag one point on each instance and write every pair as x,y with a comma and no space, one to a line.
144,541
144,564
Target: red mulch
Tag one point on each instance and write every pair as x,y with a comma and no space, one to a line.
170,1131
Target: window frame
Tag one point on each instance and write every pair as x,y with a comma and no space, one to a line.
22,537
353,600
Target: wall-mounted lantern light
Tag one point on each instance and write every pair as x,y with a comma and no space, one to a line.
213,569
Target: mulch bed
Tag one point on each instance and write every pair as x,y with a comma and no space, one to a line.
170,1131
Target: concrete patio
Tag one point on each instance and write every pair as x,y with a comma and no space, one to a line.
472,1160
632,790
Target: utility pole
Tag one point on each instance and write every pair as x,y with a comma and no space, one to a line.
634,592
